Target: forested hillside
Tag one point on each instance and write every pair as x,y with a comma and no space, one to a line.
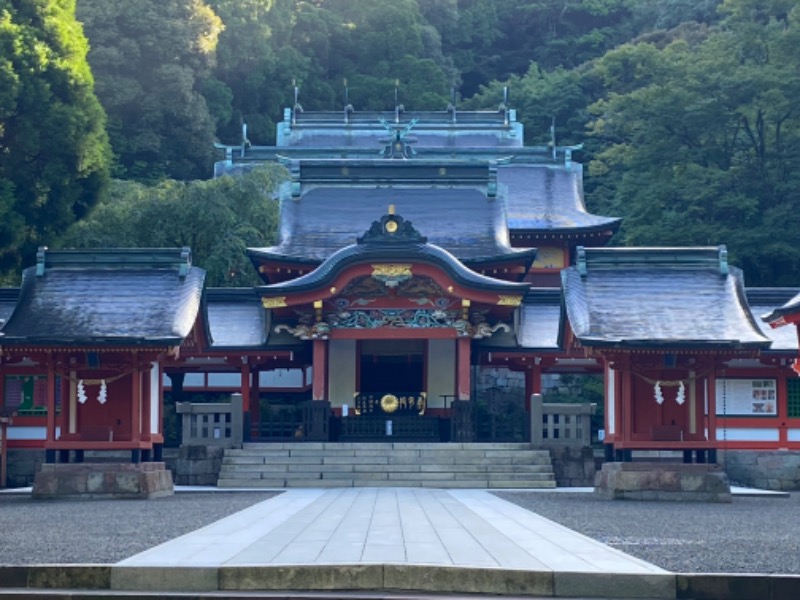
687,109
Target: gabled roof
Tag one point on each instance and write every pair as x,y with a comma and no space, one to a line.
433,129
147,297
234,318
8,301
538,327
764,301
549,199
403,243
659,298
788,313
464,218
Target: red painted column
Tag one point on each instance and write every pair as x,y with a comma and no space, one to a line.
533,382
463,348
712,406
245,388
136,403
320,366
66,408
51,398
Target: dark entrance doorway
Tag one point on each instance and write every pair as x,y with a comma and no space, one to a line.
392,366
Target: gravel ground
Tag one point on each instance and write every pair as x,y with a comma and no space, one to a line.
105,531
750,535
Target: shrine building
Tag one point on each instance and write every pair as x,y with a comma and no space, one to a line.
430,267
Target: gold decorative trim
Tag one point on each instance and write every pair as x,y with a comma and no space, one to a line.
389,403
508,300
391,270
276,302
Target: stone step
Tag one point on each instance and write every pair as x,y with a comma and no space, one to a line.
325,464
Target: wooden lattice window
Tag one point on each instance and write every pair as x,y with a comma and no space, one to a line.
793,397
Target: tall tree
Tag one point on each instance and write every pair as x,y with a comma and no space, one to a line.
149,58
218,219
700,142
54,153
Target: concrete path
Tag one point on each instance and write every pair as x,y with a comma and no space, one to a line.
469,528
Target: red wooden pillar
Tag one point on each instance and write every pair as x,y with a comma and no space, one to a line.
320,366
245,387
136,403
51,398
712,406
533,382
66,405
463,347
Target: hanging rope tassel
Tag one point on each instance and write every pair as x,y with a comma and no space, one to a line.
681,397
81,392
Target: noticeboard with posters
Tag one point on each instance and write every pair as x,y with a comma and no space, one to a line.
747,397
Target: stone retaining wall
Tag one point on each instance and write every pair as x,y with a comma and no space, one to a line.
573,467
768,470
197,465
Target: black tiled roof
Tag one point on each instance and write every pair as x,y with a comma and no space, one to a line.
763,301
384,248
235,318
137,297
659,297
790,308
463,221
8,300
539,324
549,199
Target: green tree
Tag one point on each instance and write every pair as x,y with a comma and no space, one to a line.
54,153
698,150
218,219
149,58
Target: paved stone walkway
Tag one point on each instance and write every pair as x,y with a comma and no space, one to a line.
453,528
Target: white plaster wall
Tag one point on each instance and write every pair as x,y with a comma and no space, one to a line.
441,371
611,395
155,399
341,372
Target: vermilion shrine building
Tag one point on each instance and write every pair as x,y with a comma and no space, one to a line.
418,254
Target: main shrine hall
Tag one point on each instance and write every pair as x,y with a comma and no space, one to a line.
419,255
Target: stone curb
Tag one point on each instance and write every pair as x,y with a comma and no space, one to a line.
401,579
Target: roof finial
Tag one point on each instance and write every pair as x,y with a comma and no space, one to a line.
391,209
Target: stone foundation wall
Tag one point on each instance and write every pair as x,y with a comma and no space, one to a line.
23,463
103,480
767,470
661,481
197,465
573,467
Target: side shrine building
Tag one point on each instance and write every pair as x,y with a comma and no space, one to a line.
432,279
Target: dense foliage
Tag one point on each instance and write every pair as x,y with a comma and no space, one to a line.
54,152
218,219
687,109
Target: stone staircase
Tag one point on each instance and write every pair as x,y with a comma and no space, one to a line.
327,464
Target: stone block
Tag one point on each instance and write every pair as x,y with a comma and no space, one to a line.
179,579
87,577
723,587
103,480
408,578
306,578
614,585
13,576
656,481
